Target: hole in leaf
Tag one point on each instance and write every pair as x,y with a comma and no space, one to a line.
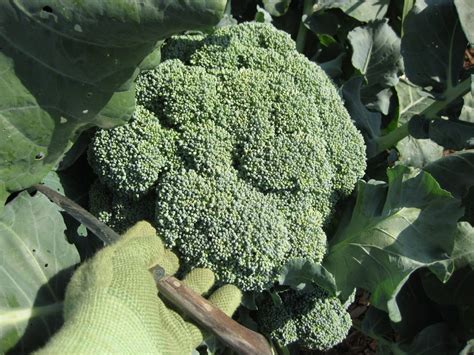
34,250
45,265
48,9
39,156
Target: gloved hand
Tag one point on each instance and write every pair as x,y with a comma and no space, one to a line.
111,303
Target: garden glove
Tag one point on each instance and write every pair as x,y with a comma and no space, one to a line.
111,303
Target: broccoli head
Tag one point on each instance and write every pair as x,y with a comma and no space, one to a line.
117,211
312,319
128,159
248,146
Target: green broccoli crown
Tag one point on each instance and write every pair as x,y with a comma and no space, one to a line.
312,319
129,159
117,211
224,224
249,147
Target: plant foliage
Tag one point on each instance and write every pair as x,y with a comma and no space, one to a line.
404,72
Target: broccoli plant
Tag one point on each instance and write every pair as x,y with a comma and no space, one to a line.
314,319
235,144
247,145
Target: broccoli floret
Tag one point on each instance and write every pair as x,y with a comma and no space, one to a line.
117,211
224,224
129,159
248,146
312,319
182,49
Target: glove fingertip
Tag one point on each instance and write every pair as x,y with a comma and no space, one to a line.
169,261
227,299
200,280
140,229
140,245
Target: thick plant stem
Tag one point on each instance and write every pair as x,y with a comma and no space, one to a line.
452,94
390,140
302,30
431,112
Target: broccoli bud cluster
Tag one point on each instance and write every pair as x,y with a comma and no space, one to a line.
245,146
313,319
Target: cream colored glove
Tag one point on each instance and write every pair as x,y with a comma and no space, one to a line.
111,303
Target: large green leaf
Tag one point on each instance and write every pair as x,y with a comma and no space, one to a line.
377,325
300,274
433,48
463,251
455,172
3,195
418,313
365,11
66,66
376,54
433,44
395,229
467,112
362,10
452,134
276,7
367,121
466,16
416,308
333,67
412,101
436,338
75,183
418,152
468,348
459,290
35,257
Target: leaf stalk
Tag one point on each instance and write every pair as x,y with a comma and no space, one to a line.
388,141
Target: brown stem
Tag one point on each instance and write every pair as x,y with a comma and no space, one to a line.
211,318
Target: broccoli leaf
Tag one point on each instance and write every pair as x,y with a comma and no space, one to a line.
263,15
300,274
376,54
452,134
3,196
276,7
466,16
433,44
412,101
367,121
69,66
364,11
333,67
418,152
396,228
35,258
435,339
454,172
468,348
467,112
457,292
